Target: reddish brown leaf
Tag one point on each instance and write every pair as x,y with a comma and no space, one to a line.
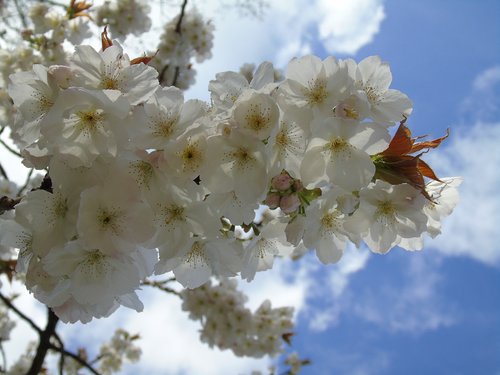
427,171
77,9
429,144
287,337
144,59
401,143
106,42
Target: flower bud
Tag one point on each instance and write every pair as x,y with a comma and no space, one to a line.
282,182
298,186
272,200
290,203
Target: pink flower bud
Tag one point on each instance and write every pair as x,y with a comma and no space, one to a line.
290,203
297,185
282,182
273,200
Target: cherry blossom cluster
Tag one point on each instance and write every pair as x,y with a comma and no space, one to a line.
228,324
124,17
181,41
51,27
44,38
121,348
141,181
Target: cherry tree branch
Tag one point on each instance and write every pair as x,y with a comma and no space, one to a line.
178,31
161,285
26,183
45,338
3,173
10,148
7,203
21,14
44,343
161,76
4,359
24,317
179,22
76,357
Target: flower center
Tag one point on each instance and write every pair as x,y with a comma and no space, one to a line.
191,156
196,256
386,212
89,120
316,92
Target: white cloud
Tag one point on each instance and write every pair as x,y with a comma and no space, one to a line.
487,79
472,229
358,363
338,277
482,105
287,29
412,305
346,26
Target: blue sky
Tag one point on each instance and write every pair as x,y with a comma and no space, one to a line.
425,313
431,312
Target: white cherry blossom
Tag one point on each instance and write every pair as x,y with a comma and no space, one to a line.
341,150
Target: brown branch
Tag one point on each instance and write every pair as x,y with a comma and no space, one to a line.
44,343
4,358
26,183
10,148
60,349
7,203
24,317
179,22
21,14
53,3
3,173
76,357
161,77
176,76
161,285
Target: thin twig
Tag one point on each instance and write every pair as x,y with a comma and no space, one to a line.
10,148
161,285
62,358
179,21
161,77
54,3
22,16
176,76
4,358
3,173
9,304
26,183
178,26
75,357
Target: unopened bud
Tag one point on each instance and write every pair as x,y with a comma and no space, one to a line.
273,200
297,185
282,182
290,203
